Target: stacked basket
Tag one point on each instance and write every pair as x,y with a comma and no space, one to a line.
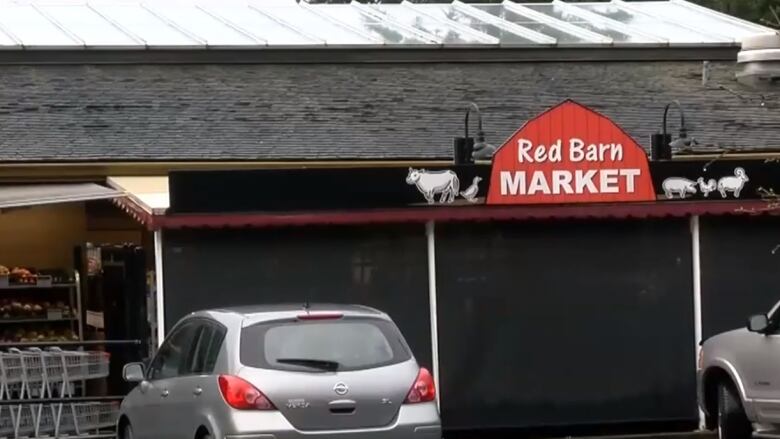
39,374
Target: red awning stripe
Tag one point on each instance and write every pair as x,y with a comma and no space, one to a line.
138,212
473,213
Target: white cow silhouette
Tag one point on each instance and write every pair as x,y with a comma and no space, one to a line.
679,186
733,184
431,183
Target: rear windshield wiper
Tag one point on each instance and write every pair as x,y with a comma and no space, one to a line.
311,362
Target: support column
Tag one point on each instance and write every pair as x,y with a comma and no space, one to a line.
159,293
697,319
431,240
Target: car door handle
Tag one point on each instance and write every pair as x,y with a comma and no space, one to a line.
197,391
342,407
164,393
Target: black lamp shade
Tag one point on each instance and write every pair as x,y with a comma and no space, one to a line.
464,150
660,148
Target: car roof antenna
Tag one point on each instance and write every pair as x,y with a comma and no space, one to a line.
306,306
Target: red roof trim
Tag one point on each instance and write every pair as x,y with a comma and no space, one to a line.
473,213
137,212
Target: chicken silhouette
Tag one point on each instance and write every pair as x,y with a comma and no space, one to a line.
470,194
709,186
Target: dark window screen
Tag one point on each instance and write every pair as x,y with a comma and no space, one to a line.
739,264
544,324
383,267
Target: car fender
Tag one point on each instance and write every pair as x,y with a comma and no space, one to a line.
210,422
127,409
732,372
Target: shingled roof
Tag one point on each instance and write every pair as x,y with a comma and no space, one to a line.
348,111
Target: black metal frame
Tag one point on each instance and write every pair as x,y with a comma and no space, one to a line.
51,344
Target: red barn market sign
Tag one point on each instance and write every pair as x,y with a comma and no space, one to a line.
570,154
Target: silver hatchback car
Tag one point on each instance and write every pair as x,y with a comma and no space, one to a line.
284,371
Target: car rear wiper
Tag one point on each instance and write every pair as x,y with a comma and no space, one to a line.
311,362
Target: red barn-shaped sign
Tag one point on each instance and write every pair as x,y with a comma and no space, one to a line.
570,154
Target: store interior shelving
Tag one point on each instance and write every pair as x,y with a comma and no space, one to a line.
40,307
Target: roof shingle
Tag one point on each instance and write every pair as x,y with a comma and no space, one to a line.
349,111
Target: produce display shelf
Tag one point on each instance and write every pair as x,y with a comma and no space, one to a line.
44,308
36,287
37,320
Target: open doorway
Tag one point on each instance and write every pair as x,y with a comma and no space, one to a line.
75,268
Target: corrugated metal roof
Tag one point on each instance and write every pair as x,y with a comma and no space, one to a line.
257,24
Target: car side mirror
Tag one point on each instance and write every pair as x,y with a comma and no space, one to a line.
133,372
758,323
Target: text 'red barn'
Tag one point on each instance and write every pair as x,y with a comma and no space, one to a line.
570,154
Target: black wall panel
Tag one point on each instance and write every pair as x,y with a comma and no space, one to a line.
739,264
384,267
565,323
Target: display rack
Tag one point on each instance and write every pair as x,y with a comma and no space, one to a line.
33,304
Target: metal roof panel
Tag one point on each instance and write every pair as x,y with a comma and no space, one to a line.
132,24
37,195
33,28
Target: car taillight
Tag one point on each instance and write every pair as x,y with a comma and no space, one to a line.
241,395
423,390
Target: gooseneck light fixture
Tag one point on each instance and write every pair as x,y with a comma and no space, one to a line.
482,149
466,149
662,143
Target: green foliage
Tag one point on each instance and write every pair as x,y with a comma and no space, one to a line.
757,11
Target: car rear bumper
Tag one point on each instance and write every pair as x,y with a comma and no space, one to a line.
420,421
431,432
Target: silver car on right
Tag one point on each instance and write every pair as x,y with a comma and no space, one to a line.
739,379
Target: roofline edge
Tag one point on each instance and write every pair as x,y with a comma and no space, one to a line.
369,56
37,171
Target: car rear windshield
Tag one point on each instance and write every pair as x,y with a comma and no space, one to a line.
323,345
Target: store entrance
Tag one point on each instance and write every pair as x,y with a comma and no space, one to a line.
115,304
75,277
